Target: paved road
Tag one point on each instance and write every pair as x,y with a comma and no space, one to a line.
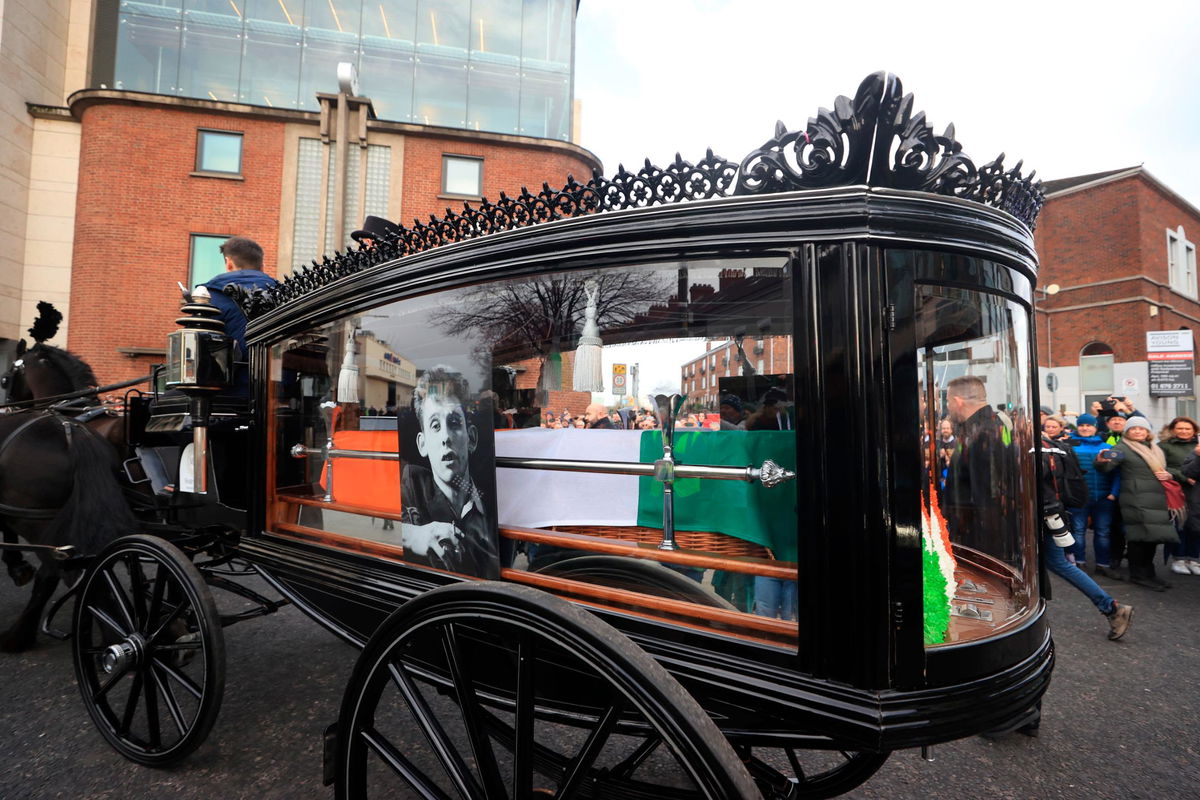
1120,722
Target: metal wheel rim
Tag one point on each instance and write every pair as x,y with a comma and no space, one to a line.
173,683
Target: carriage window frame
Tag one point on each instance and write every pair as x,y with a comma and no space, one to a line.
775,264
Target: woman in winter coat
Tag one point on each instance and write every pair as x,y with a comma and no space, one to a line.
1179,443
1143,501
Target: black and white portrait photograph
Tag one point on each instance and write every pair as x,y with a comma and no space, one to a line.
448,488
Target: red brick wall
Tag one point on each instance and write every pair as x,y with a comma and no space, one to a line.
137,205
506,168
1113,232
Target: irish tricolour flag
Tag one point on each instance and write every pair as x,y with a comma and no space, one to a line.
540,499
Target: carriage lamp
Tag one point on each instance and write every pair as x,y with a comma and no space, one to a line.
199,364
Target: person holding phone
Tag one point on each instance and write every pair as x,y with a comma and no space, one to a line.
1103,488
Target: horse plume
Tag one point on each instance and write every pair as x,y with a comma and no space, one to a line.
46,324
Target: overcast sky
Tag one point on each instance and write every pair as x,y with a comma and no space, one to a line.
1070,87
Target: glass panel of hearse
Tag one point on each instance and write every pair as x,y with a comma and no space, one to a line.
470,387
978,486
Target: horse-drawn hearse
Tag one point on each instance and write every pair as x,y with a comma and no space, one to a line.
768,602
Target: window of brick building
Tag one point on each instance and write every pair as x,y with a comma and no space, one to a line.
218,151
462,176
1181,262
205,258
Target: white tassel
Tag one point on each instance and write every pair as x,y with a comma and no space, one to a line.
347,388
589,371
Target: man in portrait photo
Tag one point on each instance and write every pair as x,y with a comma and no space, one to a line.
447,517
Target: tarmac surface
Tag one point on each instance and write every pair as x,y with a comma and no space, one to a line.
1120,719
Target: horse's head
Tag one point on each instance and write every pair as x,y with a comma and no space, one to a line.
13,383
44,371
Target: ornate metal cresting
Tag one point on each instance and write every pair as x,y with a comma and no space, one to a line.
848,145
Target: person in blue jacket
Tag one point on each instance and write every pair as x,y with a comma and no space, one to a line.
1103,489
243,267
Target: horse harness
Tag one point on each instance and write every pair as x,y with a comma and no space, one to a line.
68,425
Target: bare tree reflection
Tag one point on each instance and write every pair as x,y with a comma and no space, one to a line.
531,317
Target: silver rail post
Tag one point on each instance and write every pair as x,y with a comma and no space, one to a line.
666,407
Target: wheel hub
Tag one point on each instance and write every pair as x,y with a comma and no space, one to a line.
124,655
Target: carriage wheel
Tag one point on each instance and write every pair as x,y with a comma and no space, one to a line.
149,651
793,774
489,690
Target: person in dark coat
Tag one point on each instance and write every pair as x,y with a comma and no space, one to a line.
1058,470
977,478
1143,501
1180,445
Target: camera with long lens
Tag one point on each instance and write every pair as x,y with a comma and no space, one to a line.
1054,517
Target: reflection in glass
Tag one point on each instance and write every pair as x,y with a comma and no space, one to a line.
514,343
147,58
210,54
974,381
490,65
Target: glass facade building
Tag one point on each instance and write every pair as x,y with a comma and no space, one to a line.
502,66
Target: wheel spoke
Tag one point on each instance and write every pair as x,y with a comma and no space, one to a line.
634,760
449,756
109,684
174,615
156,595
468,703
795,762
169,700
182,679
152,721
523,745
118,595
591,750
175,647
103,616
131,705
137,588
402,766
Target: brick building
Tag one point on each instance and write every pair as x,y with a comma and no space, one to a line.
1118,247
138,135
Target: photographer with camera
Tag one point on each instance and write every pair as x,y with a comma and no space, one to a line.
1063,485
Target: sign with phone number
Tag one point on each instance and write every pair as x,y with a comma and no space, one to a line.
1170,356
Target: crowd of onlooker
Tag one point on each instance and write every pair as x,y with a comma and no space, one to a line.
1141,491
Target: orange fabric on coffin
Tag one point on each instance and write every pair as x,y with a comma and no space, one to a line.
367,483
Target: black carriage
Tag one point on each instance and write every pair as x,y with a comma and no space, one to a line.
586,607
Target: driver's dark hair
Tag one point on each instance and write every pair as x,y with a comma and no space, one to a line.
244,253
439,381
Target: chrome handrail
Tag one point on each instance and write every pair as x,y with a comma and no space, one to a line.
665,470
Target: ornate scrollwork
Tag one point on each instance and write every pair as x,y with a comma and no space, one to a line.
873,139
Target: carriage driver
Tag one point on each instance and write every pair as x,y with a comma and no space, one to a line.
443,517
243,267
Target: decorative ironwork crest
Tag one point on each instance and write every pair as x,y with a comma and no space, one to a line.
874,139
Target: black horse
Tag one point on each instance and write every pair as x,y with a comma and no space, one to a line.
58,479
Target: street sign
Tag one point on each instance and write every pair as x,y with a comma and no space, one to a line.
618,379
1171,360
1052,381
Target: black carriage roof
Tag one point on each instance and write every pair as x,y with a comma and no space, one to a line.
848,145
